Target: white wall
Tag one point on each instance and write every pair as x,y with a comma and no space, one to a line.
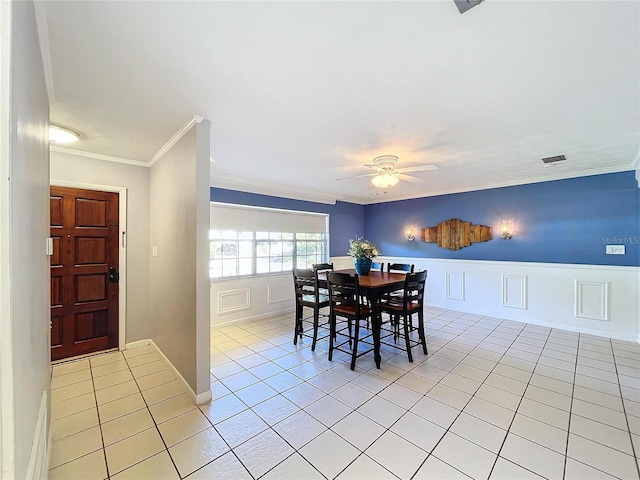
67,169
24,266
179,218
594,299
251,298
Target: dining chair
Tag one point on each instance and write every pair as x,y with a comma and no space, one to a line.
308,294
345,302
412,301
377,266
322,267
400,267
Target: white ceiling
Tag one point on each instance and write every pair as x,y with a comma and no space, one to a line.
302,93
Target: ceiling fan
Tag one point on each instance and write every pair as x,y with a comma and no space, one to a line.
387,175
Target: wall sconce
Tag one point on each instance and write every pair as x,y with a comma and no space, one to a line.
410,236
506,231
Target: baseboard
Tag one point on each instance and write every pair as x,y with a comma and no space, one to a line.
38,466
199,399
49,443
253,318
204,397
139,343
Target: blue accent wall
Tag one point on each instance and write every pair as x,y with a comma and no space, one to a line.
346,220
562,221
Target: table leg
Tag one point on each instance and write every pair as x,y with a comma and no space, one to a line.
376,325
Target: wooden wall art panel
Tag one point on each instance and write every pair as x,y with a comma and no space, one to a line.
454,234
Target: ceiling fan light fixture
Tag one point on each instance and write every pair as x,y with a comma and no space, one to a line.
384,179
60,135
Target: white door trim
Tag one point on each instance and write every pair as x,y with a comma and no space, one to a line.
122,249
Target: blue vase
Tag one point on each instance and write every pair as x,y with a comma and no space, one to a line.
363,266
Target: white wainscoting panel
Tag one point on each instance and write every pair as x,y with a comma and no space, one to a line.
268,295
455,285
514,291
592,300
606,303
280,292
234,300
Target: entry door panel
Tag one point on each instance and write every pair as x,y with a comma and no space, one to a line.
84,298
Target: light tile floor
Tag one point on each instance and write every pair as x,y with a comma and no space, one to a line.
493,399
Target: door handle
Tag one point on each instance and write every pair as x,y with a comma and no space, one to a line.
114,277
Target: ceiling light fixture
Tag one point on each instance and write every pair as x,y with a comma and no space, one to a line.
61,135
384,179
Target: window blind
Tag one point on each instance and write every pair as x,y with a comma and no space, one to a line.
257,219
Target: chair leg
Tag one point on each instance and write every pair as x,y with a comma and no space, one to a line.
297,325
405,321
396,328
349,327
316,320
332,333
421,331
354,353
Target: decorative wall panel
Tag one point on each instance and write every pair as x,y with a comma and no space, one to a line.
281,292
234,300
514,291
455,285
592,300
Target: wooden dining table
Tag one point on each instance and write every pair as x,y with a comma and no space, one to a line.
374,286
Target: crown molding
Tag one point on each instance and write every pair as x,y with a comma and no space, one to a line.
251,185
174,139
488,186
98,156
45,49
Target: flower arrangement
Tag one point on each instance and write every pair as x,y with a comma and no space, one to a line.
361,248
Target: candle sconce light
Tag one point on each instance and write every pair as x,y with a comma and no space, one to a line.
506,230
409,234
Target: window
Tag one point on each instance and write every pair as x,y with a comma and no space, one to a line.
236,252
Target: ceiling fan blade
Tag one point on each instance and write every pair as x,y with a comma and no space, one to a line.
409,178
370,165
358,176
417,168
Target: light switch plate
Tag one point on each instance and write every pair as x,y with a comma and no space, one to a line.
49,246
154,251
615,249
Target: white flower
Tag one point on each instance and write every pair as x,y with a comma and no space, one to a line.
360,248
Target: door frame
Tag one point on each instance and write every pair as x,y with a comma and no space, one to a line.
122,246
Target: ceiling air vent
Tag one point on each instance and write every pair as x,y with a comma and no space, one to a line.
557,158
464,5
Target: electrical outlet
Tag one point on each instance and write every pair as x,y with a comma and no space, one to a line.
615,250
154,251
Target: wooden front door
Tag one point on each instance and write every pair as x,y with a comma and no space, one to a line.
84,271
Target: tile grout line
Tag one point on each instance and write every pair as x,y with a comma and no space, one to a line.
270,427
624,410
543,387
301,409
155,424
95,396
573,388
522,334
504,440
448,429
